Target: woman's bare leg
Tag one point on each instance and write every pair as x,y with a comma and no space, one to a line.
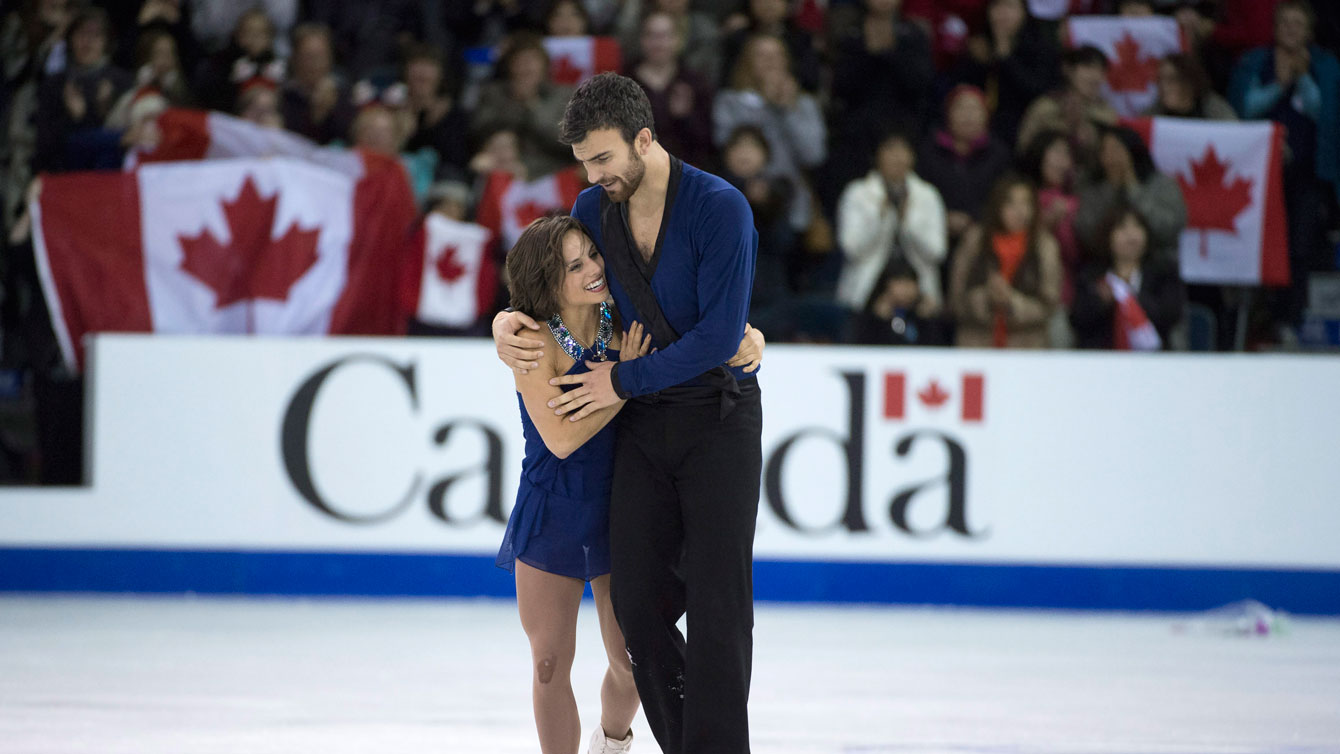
548,605
618,693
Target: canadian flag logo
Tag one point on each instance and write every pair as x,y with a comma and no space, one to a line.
933,396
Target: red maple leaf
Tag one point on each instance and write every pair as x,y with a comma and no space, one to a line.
1210,204
563,71
252,265
933,396
529,212
1130,72
448,268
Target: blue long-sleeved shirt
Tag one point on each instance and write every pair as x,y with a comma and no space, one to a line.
1254,92
702,280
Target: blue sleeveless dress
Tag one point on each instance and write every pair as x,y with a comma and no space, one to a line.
560,523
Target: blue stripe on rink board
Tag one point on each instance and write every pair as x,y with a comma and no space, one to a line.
435,575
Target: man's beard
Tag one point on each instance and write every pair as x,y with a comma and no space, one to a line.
625,186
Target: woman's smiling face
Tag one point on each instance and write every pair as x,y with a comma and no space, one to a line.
583,272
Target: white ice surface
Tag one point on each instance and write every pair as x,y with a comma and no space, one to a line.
254,676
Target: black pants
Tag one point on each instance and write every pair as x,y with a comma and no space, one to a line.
682,517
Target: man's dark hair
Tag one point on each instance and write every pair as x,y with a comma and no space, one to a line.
1085,55
606,100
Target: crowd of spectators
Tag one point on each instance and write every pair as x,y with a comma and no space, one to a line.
933,172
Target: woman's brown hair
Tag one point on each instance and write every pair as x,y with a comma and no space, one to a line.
1028,279
535,265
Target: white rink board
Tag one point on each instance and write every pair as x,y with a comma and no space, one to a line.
1078,458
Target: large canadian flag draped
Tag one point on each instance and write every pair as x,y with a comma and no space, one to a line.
508,204
1231,177
573,60
1134,46
276,246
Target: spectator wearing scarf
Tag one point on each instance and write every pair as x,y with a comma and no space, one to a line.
1006,279
1129,300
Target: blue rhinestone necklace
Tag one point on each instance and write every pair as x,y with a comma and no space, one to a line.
569,344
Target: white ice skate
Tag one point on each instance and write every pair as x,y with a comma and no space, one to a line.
602,744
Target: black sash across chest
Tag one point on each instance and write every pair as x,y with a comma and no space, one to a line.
635,274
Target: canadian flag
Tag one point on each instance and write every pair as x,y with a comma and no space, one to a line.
199,135
508,204
457,274
573,60
1134,47
277,246
1231,176
932,397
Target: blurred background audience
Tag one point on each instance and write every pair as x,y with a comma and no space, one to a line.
922,172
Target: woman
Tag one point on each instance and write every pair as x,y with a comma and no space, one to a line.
1050,164
158,73
745,159
440,122
250,52
1185,91
964,160
557,537
316,101
1129,301
1006,280
681,98
772,18
1126,174
72,107
764,93
524,100
891,213
1013,60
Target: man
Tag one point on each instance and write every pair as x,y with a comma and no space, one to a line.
679,248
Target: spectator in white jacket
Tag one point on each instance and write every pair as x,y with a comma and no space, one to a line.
891,212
